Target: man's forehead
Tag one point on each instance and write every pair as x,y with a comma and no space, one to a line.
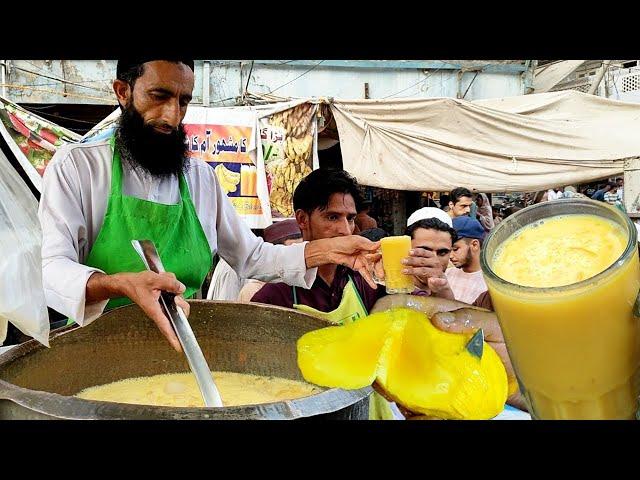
340,202
436,237
167,75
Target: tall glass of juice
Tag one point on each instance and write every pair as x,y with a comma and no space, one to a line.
394,249
245,180
564,278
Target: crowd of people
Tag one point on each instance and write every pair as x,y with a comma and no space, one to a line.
452,232
450,235
610,192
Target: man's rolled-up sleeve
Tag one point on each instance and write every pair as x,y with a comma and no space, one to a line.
252,257
63,232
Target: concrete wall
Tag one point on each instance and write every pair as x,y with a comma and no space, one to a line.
89,81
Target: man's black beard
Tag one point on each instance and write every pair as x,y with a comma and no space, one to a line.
142,147
468,260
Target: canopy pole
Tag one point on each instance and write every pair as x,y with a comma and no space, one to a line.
598,79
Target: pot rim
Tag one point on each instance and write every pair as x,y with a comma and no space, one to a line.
73,408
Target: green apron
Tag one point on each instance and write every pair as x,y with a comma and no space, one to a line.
351,308
175,230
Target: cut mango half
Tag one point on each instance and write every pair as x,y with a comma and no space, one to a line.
344,356
424,370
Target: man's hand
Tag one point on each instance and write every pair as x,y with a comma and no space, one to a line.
144,289
353,251
426,269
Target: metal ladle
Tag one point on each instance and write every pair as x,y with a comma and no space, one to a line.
197,363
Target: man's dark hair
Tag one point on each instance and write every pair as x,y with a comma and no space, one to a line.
315,190
459,192
432,224
374,234
364,205
130,70
510,211
444,200
468,240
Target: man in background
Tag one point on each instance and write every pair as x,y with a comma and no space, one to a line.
465,279
460,201
363,220
611,197
620,182
599,195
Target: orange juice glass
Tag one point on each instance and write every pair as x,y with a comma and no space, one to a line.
248,180
244,180
394,249
575,347
253,181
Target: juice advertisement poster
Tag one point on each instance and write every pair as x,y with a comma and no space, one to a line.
226,140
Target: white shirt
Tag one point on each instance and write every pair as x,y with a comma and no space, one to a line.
466,287
553,195
611,198
225,283
75,190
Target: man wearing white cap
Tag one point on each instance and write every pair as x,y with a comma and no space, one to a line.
429,212
463,280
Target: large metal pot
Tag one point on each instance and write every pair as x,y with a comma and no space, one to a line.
38,383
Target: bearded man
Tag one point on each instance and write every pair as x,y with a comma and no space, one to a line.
140,184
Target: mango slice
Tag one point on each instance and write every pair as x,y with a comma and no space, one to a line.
346,356
423,369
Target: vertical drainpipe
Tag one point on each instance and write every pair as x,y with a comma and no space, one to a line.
527,76
459,76
206,72
3,78
596,82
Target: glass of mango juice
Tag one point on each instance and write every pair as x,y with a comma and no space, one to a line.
564,278
394,249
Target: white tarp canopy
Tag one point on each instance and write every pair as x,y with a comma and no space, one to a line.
524,143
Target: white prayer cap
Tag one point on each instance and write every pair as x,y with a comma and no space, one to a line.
429,212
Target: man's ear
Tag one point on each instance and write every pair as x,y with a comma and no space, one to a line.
302,218
476,243
123,92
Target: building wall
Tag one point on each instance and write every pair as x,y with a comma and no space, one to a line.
60,81
624,85
619,83
89,81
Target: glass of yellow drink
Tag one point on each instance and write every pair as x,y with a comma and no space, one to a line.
394,249
253,189
245,180
564,279
248,181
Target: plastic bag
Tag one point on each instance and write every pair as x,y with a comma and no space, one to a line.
22,300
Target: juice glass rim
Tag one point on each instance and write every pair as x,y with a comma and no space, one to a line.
631,245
